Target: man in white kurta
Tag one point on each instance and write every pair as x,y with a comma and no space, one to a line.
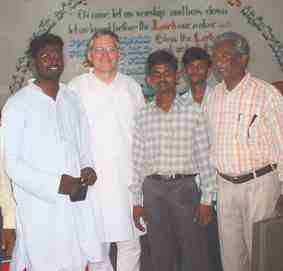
111,100
45,138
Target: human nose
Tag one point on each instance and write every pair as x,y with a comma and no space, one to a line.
54,58
218,60
162,77
195,68
105,54
51,58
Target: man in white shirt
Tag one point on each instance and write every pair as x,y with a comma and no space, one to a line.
111,100
46,154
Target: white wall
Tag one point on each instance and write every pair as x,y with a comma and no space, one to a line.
20,19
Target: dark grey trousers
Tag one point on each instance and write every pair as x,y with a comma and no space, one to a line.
173,235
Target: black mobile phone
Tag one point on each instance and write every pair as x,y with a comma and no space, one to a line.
80,195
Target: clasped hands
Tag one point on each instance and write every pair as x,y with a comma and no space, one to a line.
71,185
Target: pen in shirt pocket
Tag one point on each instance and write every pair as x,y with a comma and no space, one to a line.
251,123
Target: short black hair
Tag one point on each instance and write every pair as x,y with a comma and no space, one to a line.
162,56
195,53
40,42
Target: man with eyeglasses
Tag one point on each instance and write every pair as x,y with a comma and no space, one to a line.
111,100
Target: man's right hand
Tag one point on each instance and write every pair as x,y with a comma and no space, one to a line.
138,214
69,185
88,176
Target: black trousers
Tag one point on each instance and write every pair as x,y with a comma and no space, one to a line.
175,240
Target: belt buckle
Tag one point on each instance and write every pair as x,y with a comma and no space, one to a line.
235,179
170,177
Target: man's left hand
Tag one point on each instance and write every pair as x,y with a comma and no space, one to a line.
88,176
279,206
203,214
8,241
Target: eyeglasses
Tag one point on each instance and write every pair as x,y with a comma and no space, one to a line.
101,50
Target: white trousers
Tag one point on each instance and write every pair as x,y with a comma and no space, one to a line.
128,257
239,206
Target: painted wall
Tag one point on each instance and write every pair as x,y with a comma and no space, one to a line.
142,26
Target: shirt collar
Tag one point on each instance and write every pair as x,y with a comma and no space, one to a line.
32,81
177,103
92,72
36,88
189,94
239,87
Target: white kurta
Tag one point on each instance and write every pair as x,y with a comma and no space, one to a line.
111,109
75,132
38,149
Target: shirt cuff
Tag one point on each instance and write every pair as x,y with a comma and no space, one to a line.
214,196
138,200
84,165
206,198
9,221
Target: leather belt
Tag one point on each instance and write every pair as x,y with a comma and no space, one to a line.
249,176
171,177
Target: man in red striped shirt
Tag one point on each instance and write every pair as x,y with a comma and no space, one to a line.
245,116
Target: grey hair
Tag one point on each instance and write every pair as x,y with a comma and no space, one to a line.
94,37
240,43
